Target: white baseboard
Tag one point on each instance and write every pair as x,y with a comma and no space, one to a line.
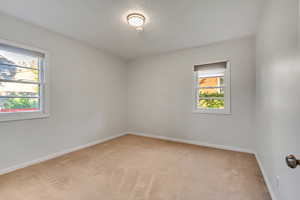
61,153
267,180
216,146
224,147
55,155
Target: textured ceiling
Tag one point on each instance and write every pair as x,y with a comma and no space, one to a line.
171,24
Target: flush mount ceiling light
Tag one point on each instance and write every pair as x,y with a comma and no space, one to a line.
136,20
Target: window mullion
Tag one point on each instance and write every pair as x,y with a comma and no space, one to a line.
18,66
211,98
18,81
211,87
19,97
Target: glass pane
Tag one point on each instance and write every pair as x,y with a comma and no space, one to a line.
10,57
211,92
211,81
8,105
10,72
19,89
211,103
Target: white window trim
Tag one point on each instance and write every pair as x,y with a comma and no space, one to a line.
227,95
44,97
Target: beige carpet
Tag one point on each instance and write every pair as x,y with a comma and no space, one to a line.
139,168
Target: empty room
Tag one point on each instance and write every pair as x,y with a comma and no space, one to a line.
149,100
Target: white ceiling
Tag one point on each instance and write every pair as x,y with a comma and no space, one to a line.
171,24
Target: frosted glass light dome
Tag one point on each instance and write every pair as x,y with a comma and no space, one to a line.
136,20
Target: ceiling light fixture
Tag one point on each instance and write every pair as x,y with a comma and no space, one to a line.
136,20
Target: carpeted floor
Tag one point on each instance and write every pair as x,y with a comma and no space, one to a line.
139,168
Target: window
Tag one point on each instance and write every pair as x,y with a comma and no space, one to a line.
22,82
212,88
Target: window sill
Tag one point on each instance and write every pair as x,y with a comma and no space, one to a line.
212,112
5,117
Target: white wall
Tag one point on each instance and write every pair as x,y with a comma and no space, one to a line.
160,97
88,97
278,93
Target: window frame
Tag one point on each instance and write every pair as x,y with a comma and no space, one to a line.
227,94
44,90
